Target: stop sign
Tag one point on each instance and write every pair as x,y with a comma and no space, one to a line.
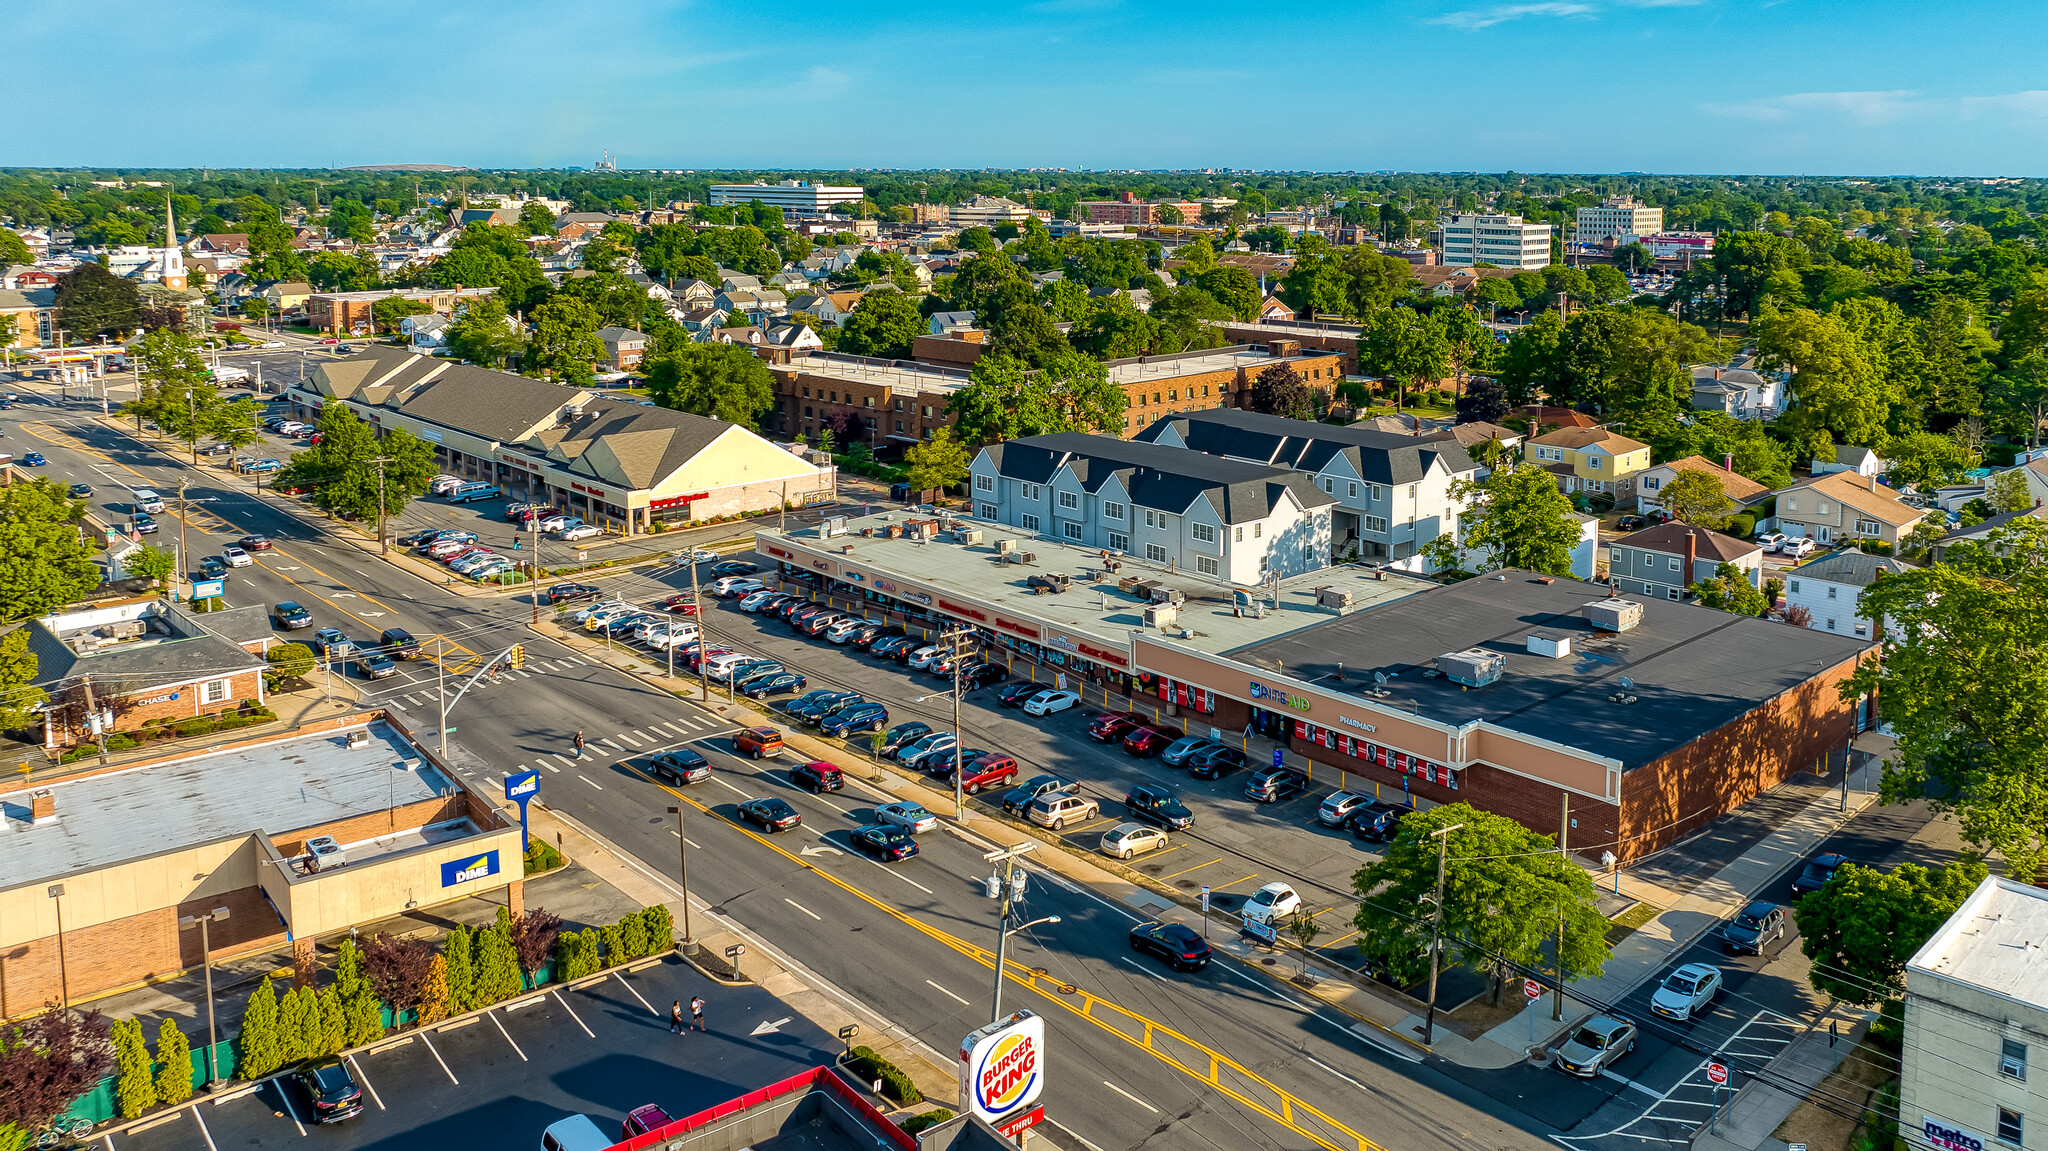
1717,1073
1532,989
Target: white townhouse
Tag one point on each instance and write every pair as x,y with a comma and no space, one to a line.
1830,588
1393,492
1217,517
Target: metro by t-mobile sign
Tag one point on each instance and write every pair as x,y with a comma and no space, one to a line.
519,789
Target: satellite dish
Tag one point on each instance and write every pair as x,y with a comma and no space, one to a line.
1626,683
1379,677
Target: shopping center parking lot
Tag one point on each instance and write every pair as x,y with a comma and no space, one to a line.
499,1079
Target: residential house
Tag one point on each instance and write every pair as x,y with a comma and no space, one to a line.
789,282
225,243
1740,489
758,304
1980,532
729,280
1541,416
27,278
821,305
752,335
581,225
943,322
1830,587
34,313
284,296
1739,392
1234,521
693,293
497,217
425,331
624,348
1391,493
702,321
791,336
1859,461
1837,508
1590,460
1665,560
1474,437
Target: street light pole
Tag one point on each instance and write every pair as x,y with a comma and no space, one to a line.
703,635
383,544
1436,931
959,749
683,851
206,961
441,693
63,971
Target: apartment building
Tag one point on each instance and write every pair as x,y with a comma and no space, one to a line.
1503,241
1213,378
1126,210
1618,220
1831,587
887,402
1976,1007
1189,510
1590,460
794,197
1392,492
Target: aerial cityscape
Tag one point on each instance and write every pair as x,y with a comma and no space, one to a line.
1364,610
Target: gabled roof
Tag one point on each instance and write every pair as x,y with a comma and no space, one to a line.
1706,375
1736,486
1578,438
1301,445
1857,492
1670,539
1165,479
1848,566
615,335
495,406
633,446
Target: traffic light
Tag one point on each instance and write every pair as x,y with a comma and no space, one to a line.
517,656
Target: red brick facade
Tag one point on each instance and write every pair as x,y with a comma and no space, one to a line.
243,687
141,947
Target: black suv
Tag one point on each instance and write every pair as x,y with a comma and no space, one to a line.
679,767
399,643
1379,822
1154,804
331,1089
571,592
292,616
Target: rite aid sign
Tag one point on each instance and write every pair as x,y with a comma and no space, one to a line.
1949,1138
1002,1067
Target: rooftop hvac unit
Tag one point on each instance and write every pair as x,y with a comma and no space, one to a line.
1333,597
324,854
1550,645
358,739
1050,583
1028,557
1473,667
832,526
1160,593
1006,545
1614,614
967,535
1134,585
1161,615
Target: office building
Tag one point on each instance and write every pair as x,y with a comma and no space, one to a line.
794,197
1618,220
1503,241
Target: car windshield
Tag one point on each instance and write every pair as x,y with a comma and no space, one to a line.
1750,919
1591,1039
331,1077
1681,985
1815,873
913,811
1264,896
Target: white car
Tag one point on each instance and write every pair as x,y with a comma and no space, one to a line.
1047,702
676,635
579,532
235,557
905,814
598,619
1798,549
1687,992
699,555
843,630
614,606
1769,541
1128,839
442,485
559,523
273,343
729,587
922,658
1273,903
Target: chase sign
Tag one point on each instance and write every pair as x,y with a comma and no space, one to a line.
469,867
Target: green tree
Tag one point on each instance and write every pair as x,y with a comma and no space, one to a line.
45,562
936,464
1304,928
13,249
174,1064
259,1049
349,978
1114,328
1862,927
1504,890
435,1002
94,302
176,389
290,660
294,1026
484,334
1519,519
976,240
135,1090
1965,690
386,313
1697,498
1188,319
633,943
537,219
884,325
1197,255
1279,390
363,1016
2008,491
1535,366
1926,460
1236,288
565,342
1004,399
1731,591
271,254
1842,397
152,563
1374,281
497,968
724,381
1406,347
460,974
344,468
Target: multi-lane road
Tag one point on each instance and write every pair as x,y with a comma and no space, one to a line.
1140,1055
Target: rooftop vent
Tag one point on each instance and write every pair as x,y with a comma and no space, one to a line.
1333,597
1006,545
1161,615
1473,667
967,535
1050,583
1614,614
42,805
1550,645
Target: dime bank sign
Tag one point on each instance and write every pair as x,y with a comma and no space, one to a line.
1002,1072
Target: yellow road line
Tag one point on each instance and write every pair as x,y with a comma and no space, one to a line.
1196,867
1339,939
1162,1042
1235,882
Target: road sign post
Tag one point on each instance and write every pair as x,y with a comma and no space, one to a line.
1717,1074
1531,992
733,954
1205,911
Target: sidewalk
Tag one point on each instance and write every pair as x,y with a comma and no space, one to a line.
292,708
1759,1108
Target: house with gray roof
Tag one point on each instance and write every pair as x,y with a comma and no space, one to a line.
1234,520
149,662
1392,492
624,348
1739,392
1830,588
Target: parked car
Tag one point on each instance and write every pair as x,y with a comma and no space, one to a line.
1178,944
330,1089
758,742
679,767
1058,809
818,777
1379,822
888,648
825,705
905,814
1181,750
559,522
1216,764
684,603
1754,926
1146,742
1113,727
579,532
735,568
981,673
1816,873
1275,784
917,749
1274,903
1337,810
1595,1046
1128,840
903,733
641,1120
843,628
771,683
868,716
927,655
1630,524
1049,702
770,814
572,592
1019,693
753,602
1769,541
884,843
291,616
875,633
1158,805
989,769
1687,992
1018,798
731,586
1797,549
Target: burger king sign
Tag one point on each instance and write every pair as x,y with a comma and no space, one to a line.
1002,1068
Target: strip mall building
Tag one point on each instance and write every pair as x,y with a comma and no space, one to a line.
1516,693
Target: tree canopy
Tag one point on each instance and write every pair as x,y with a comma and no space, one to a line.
1862,927
1005,399
343,474
724,381
1519,519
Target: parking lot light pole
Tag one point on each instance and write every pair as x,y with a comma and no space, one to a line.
1436,931
206,961
959,769
683,851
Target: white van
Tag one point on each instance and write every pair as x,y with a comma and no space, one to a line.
444,484
720,666
576,1133
148,501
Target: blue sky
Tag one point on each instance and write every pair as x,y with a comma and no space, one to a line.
1780,86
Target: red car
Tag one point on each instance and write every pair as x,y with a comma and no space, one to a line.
994,769
682,602
1112,727
641,1120
329,340
1146,742
254,543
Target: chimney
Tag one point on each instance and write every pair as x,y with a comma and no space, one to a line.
1692,553
42,805
1871,479
1728,462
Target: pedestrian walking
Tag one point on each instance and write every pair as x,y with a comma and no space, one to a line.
579,743
697,1012
675,1018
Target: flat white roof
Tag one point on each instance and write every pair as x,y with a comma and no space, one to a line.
1131,371
1996,941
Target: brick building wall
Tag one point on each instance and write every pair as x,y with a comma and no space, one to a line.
242,686
1344,344
123,952
806,402
370,825
1162,395
950,351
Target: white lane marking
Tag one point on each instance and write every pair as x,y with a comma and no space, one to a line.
508,1036
290,1111
366,1082
1131,1097
615,746
679,728
947,994
730,787
525,675
1334,1071
805,910
438,1059
1141,967
202,1128
572,1013
552,767
693,843
703,722
629,739
396,704
586,779
643,735
899,875
637,995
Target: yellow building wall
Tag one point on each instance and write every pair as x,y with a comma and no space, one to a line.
141,885
380,888
737,457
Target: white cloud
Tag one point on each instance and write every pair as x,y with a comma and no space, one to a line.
1502,13
1873,109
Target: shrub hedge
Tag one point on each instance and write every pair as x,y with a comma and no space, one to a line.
895,1084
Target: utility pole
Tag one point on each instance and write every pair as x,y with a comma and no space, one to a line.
959,770
782,510
383,544
683,852
703,635
533,565
441,694
1564,828
1007,887
183,515
1436,931
92,714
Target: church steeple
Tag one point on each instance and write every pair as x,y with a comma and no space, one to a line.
174,256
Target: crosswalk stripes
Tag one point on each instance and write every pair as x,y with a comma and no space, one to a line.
647,737
629,739
396,704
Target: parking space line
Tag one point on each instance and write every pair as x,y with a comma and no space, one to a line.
636,994
290,1111
493,1016
572,1012
947,994
366,1082
1625,1081
805,910
1131,1097
586,779
1196,867
1235,882
204,1133
438,1059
